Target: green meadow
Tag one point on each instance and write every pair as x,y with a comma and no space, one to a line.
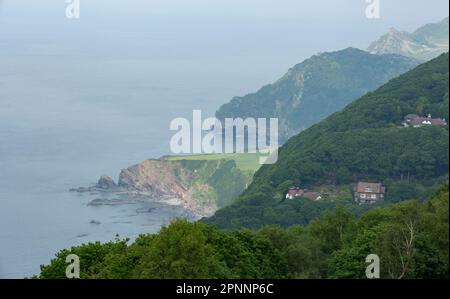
244,161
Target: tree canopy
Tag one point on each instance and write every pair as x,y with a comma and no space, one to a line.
411,238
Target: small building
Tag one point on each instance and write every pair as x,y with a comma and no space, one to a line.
369,192
312,195
415,121
294,192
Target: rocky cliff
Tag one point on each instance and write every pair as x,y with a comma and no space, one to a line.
425,43
200,186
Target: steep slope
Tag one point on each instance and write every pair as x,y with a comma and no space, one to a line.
435,33
365,141
425,43
198,184
201,184
396,42
317,87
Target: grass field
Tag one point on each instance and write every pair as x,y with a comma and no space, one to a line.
244,161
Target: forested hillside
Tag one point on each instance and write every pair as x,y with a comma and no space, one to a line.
317,87
365,141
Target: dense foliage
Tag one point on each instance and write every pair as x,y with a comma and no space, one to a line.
411,239
366,141
214,183
317,87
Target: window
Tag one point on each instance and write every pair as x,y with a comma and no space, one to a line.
362,195
368,189
373,196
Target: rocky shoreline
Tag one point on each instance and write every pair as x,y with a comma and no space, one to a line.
200,187
152,180
132,197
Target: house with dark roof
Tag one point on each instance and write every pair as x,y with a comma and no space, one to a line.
294,192
369,192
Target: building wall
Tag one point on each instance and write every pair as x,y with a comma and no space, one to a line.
369,197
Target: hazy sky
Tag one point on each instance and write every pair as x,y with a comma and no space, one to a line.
246,15
399,12
220,16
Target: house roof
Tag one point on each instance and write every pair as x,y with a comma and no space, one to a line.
364,187
414,119
295,192
311,195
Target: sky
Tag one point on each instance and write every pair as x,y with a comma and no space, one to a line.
218,17
321,24
402,12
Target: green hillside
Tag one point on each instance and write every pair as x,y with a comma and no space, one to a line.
365,141
215,180
317,87
244,161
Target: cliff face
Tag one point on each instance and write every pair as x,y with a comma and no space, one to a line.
425,43
157,178
316,88
201,186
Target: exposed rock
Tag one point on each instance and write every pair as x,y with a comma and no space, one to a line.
157,178
80,189
145,210
106,182
110,202
425,43
195,185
